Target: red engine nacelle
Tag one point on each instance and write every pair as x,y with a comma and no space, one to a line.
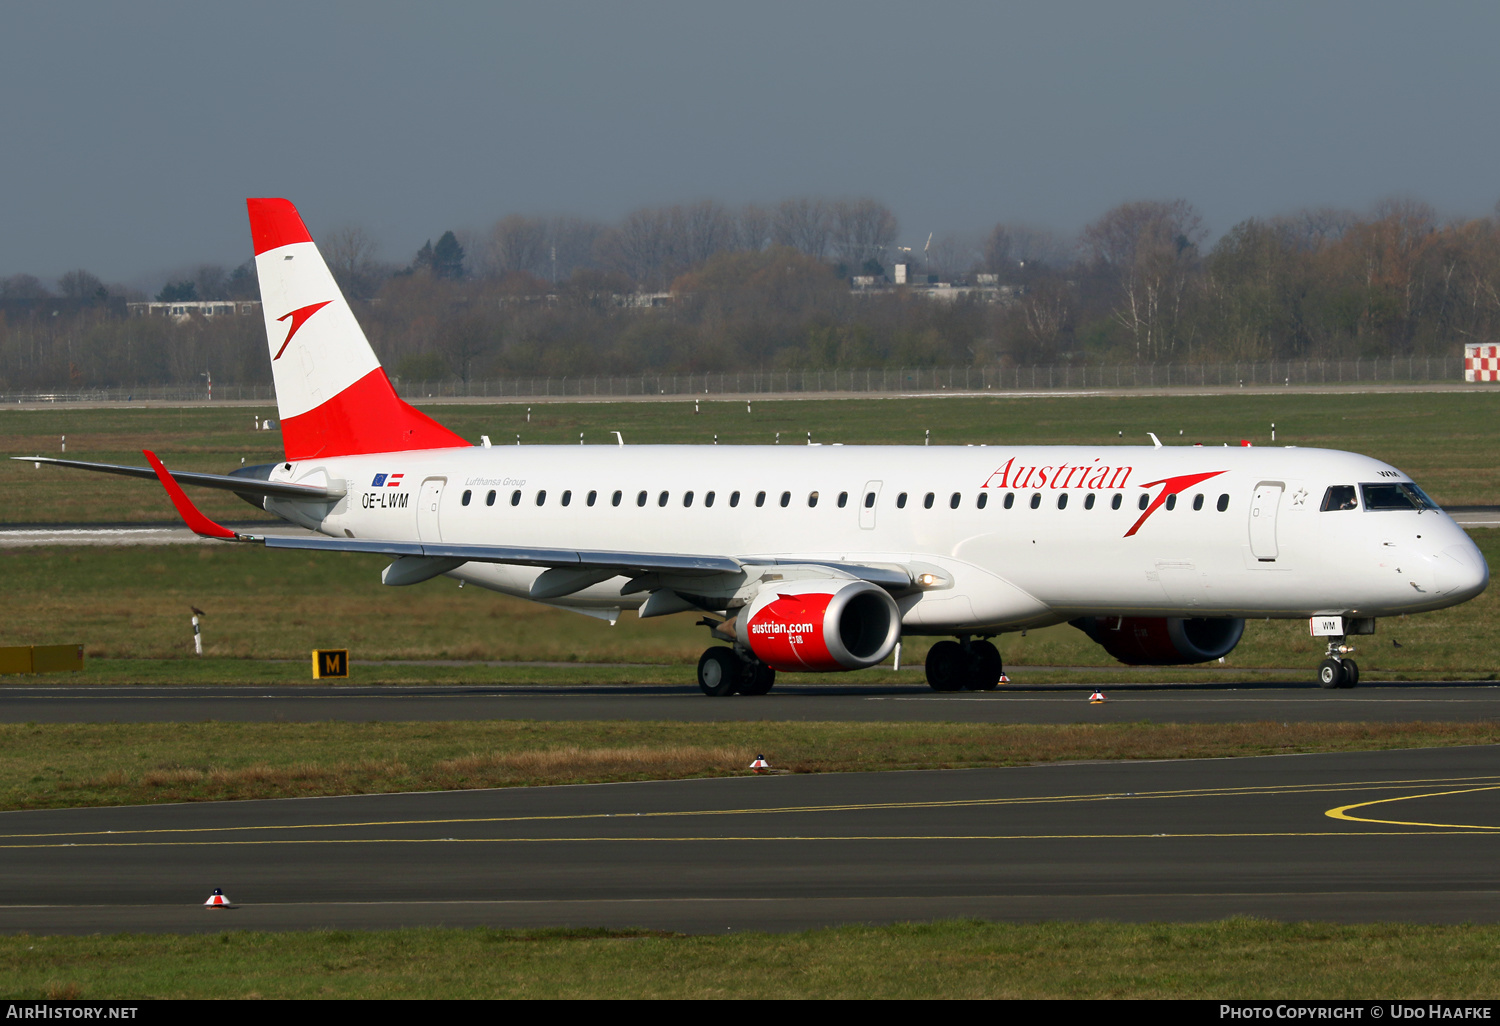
820,625
1163,640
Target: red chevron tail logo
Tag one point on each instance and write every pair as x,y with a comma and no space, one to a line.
299,317
1173,485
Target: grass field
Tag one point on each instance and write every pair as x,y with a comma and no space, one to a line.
1232,959
1443,439
88,764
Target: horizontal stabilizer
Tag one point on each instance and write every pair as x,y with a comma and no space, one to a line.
227,482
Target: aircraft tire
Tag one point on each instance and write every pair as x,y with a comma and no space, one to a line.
719,672
756,679
984,675
947,666
1351,674
1330,674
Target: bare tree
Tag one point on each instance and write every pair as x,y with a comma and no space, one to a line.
1151,249
81,285
518,243
803,225
951,254
754,228
1315,227
211,281
700,230
1013,246
23,286
350,252
570,246
862,231
641,247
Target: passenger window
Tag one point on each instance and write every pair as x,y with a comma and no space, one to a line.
1010,499
927,501
515,497
640,499
1088,501
1145,500
954,500
541,497
760,498
489,500
869,500
901,501
467,496
708,498
1062,500
812,499
734,499
982,500
1036,500
1223,502
614,500
661,500
1172,501
786,499
1197,502
687,499
592,496
567,497
843,499
1115,502
1339,497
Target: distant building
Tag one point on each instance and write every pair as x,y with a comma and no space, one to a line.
181,310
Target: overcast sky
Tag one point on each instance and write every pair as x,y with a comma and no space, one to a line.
132,132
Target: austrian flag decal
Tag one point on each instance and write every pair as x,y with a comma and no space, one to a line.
387,481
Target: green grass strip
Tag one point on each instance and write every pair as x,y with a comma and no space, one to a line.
1237,958
71,765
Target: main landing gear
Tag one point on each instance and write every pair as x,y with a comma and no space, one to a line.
1338,671
964,665
721,671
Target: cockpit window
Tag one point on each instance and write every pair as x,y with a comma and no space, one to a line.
1340,497
1403,495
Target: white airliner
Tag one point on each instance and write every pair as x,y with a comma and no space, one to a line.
821,557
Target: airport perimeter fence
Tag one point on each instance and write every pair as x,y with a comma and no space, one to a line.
889,380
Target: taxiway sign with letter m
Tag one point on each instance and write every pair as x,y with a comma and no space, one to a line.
330,662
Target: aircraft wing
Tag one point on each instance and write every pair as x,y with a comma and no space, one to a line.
241,483
520,555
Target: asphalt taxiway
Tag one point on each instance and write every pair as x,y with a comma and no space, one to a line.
1407,835
1063,703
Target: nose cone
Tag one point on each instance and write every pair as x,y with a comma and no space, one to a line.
1462,572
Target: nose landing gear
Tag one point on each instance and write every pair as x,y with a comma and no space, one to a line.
1338,671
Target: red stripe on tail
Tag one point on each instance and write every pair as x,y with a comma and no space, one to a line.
368,416
275,223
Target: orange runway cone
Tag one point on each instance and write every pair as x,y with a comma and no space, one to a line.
1004,679
760,765
217,900
1097,698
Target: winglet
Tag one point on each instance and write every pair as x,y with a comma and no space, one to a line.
195,520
